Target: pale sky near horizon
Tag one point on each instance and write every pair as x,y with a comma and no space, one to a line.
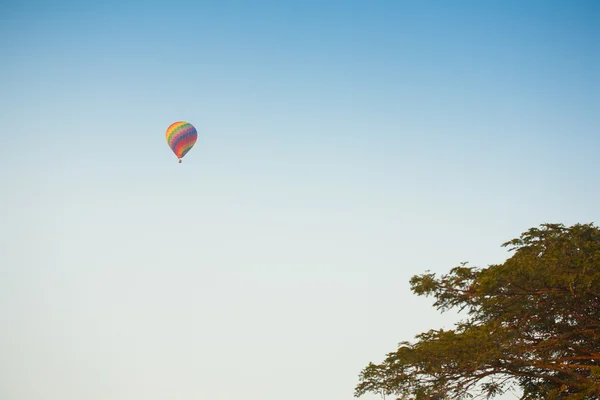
343,147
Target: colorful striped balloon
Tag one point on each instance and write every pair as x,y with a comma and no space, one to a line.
181,137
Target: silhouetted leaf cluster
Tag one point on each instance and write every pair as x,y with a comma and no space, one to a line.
533,321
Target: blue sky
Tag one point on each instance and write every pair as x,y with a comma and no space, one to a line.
343,147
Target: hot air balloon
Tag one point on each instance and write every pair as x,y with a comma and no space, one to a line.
181,137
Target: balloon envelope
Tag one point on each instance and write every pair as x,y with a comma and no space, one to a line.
181,137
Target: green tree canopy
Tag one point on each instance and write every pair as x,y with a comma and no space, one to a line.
533,322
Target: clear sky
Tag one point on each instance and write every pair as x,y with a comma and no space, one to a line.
343,147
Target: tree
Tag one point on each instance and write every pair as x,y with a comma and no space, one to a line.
533,321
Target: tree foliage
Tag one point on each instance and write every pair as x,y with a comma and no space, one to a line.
533,321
